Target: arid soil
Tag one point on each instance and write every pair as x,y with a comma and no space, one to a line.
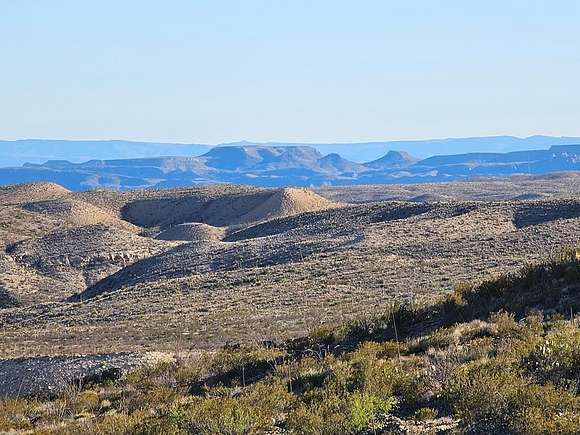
517,187
51,375
188,269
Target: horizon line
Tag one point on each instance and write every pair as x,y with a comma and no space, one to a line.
282,142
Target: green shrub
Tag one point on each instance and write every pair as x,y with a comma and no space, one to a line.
366,410
426,414
226,416
326,413
504,323
556,359
493,397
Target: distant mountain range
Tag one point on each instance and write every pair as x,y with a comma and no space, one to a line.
16,153
276,166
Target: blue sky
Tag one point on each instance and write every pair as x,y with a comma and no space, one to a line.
310,71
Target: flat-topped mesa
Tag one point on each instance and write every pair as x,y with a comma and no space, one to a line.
241,158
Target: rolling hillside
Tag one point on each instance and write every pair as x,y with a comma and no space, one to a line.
102,262
284,309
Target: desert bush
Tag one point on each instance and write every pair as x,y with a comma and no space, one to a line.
504,323
366,410
223,415
305,373
556,359
329,334
385,378
253,409
493,397
384,350
335,414
15,414
426,414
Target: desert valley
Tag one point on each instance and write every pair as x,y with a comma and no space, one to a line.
289,218
102,280
103,271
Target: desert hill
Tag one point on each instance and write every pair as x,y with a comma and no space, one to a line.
21,285
21,193
76,257
287,202
116,201
192,232
77,213
350,254
219,255
213,205
56,247
17,224
73,246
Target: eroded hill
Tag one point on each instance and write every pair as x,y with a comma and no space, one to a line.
104,271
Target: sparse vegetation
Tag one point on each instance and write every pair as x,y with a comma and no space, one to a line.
275,279
498,357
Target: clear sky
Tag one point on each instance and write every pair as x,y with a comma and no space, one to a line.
209,71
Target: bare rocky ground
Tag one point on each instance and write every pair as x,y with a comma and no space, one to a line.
517,187
267,264
51,375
